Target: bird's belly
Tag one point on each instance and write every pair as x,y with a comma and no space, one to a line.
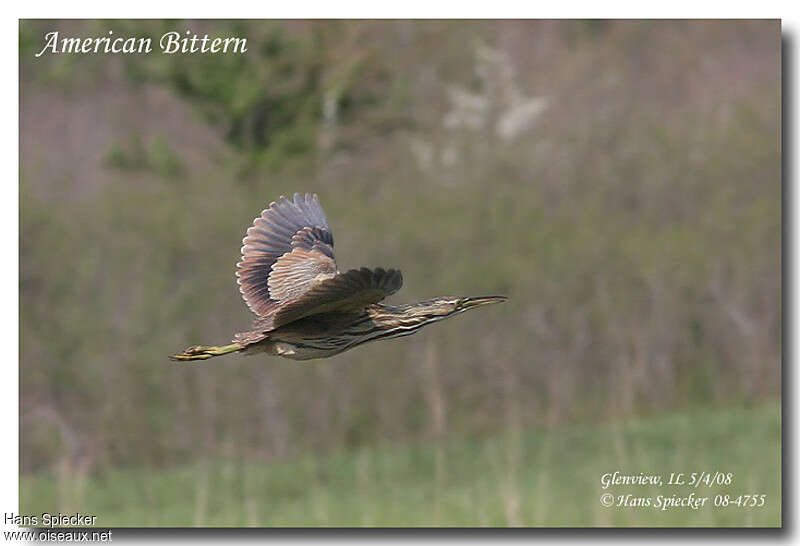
318,336
291,350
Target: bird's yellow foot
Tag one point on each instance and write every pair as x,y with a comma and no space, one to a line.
203,352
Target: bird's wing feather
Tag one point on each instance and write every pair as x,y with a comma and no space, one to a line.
343,293
288,249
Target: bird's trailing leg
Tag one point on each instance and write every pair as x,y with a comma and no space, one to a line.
203,352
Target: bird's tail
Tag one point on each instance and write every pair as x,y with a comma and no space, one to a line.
203,352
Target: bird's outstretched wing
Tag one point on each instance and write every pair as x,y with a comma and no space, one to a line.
287,250
288,270
343,293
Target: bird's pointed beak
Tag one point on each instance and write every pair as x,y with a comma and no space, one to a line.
469,303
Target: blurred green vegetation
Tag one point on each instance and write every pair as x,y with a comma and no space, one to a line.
537,478
627,199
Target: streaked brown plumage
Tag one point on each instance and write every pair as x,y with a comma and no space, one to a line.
305,307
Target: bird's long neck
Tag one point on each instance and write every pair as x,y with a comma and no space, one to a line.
403,320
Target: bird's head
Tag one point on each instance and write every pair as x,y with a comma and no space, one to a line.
470,303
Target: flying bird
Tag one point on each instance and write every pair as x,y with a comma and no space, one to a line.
305,307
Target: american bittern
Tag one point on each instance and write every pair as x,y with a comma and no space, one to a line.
306,308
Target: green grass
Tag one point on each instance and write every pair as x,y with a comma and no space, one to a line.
536,478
